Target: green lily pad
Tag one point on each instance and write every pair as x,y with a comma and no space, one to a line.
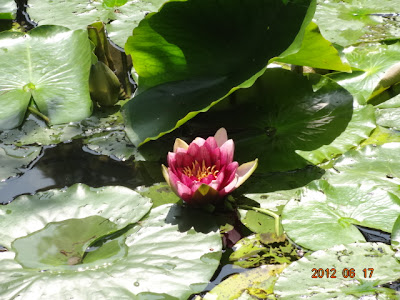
121,17
396,237
159,262
257,282
371,166
270,122
388,113
351,271
8,9
50,64
28,214
359,128
354,21
186,65
325,214
372,64
316,52
159,193
14,159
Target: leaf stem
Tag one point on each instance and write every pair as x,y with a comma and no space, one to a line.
36,112
267,212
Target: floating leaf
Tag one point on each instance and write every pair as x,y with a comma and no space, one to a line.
370,166
159,193
358,129
355,21
159,260
352,271
270,121
380,136
258,282
325,214
14,159
186,65
50,64
120,16
8,9
371,63
316,52
28,214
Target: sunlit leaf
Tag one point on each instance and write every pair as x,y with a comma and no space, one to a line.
352,271
396,237
8,9
354,21
325,214
50,64
259,280
158,258
317,52
120,16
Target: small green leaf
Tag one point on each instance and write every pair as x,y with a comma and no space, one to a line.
396,237
8,9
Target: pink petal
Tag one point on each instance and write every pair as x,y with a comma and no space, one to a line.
184,192
245,170
180,144
195,186
171,158
227,150
211,143
230,173
204,154
215,155
193,149
221,136
229,188
186,180
173,180
214,184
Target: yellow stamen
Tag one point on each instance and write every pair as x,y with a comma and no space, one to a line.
198,171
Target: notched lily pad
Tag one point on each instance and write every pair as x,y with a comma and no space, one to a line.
154,259
44,64
352,271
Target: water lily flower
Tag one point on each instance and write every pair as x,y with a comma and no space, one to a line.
204,171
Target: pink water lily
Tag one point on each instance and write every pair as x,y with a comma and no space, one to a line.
204,171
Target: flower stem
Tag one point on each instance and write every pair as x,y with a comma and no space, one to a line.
36,112
267,212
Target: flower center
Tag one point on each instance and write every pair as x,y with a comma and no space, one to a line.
200,171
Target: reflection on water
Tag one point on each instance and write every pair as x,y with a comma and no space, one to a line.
67,164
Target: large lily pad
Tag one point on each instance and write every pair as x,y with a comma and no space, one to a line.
354,21
186,65
14,159
28,214
158,261
388,113
120,16
359,270
270,122
325,214
50,64
373,64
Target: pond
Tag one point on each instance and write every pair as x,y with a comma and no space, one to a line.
199,149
